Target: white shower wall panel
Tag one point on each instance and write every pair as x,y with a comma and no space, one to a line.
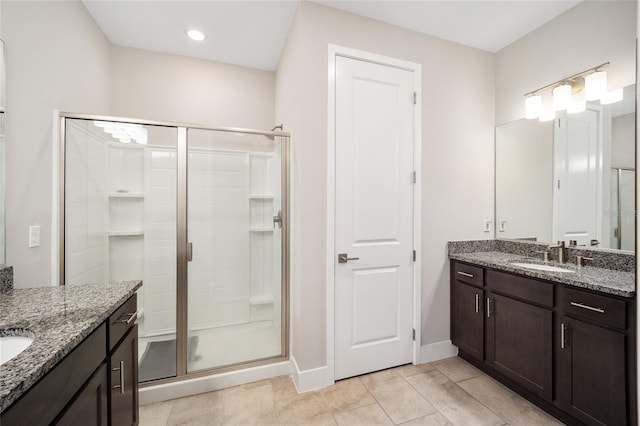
126,173
219,279
86,246
159,290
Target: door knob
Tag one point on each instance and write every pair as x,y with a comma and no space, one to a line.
344,258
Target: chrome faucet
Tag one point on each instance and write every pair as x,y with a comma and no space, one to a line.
561,250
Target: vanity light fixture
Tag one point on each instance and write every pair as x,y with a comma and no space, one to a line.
595,85
571,93
562,97
196,35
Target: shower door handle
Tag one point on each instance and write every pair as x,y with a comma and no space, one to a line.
189,252
278,219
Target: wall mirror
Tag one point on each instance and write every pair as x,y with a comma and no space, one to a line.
2,157
571,179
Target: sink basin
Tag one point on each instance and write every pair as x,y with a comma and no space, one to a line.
12,346
542,267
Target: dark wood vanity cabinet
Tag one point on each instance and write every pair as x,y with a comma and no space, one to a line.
89,407
123,367
467,316
593,372
518,330
85,388
570,351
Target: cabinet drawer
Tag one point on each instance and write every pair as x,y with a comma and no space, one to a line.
468,274
521,287
598,308
122,320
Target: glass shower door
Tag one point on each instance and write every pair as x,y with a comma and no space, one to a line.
234,228
120,223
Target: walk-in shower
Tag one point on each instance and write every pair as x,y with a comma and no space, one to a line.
200,215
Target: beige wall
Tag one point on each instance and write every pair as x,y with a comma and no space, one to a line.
457,158
591,33
159,86
57,58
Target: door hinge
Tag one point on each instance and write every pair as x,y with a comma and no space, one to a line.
415,98
414,256
413,334
414,177
558,183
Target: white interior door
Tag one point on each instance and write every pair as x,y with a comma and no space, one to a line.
577,183
374,217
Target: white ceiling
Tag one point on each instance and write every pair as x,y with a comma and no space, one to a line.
253,33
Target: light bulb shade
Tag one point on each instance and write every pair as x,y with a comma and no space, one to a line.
611,97
561,97
547,115
576,107
595,85
532,106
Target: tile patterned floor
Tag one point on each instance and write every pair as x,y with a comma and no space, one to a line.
446,392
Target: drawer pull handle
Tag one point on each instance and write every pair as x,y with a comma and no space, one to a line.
591,308
121,369
477,303
488,307
132,318
464,274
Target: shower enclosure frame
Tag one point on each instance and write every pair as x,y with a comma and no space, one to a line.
182,329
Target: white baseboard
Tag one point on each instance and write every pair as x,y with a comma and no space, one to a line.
308,380
167,391
437,351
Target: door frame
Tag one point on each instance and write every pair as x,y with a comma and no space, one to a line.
333,52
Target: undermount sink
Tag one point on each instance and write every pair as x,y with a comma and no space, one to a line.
542,267
12,346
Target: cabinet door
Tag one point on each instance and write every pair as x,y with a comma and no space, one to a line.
519,342
467,319
591,372
123,366
89,407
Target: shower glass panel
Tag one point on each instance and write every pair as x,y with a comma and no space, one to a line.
120,223
199,215
623,226
234,224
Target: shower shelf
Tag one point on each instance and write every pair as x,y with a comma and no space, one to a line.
137,233
261,300
126,195
261,196
257,229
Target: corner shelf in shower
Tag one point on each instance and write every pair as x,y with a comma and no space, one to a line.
135,233
261,196
265,299
126,195
256,229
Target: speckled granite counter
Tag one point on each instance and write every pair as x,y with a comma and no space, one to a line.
611,281
59,318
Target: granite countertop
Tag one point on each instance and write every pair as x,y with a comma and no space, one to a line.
58,318
616,282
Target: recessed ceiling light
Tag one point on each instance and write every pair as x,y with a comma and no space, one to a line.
196,35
